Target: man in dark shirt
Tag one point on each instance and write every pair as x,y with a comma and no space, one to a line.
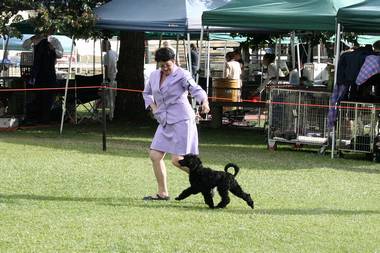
44,76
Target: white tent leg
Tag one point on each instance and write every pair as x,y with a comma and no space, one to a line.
101,61
200,54
93,58
278,55
185,49
292,45
160,41
176,50
208,67
5,52
189,54
66,86
298,60
337,54
224,58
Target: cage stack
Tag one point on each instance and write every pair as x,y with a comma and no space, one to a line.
298,117
358,129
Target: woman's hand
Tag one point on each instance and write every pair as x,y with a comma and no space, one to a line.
153,107
205,107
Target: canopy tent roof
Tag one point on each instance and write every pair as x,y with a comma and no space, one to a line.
154,15
313,15
361,17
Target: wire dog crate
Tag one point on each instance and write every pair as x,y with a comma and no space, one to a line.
358,128
298,117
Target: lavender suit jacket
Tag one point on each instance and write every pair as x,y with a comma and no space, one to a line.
171,98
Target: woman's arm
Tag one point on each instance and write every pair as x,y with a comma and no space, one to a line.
148,96
197,92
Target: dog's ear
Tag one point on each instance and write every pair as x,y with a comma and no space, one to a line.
195,161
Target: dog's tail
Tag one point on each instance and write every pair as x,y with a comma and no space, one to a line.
232,165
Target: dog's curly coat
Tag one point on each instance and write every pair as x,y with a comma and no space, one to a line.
203,180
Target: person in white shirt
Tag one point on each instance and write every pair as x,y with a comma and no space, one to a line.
233,69
110,66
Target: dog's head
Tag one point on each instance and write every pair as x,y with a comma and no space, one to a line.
191,161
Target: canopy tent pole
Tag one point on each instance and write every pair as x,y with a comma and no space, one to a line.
189,55
337,54
208,65
160,41
200,54
101,61
224,58
67,86
93,58
176,50
104,99
298,59
159,46
278,56
319,53
5,52
292,45
184,50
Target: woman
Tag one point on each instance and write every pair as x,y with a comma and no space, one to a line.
166,96
233,68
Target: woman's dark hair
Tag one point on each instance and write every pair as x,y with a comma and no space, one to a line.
230,56
164,54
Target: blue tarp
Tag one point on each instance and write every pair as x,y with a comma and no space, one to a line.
154,15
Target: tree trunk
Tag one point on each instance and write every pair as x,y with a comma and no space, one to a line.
130,104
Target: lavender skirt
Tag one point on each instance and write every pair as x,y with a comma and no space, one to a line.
180,138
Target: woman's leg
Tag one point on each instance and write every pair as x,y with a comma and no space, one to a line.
175,159
159,169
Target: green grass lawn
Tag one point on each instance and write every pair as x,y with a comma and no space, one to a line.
64,194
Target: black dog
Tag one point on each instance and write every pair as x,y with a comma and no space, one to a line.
203,180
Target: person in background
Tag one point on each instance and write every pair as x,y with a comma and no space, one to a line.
110,67
166,95
46,50
272,73
233,69
194,59
167,44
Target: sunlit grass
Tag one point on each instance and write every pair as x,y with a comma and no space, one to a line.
64,194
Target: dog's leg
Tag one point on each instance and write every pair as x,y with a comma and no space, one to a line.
208,198
186,193
238,192
223,192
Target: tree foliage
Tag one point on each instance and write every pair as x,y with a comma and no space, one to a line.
69,17
9,13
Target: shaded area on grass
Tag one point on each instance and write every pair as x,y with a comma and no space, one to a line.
189,206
